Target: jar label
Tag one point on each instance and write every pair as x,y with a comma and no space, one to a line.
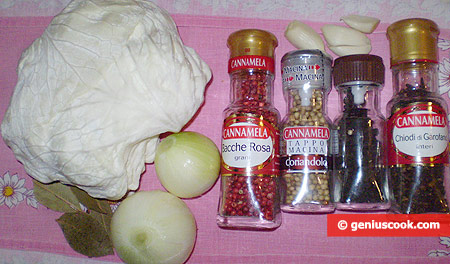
249,146
418,134
298,75
251,62
306,148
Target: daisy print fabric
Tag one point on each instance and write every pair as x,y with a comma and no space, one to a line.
27,226
14,192
319,10
444,67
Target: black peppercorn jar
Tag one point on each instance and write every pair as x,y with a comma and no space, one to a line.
250,197
305,140
359,174
417,127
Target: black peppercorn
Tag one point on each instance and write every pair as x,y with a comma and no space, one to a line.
360,179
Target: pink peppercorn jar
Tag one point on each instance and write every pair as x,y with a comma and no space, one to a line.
250,197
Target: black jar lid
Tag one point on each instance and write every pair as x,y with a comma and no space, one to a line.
359,68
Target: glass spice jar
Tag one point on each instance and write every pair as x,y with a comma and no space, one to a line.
360,178
250,136
417,129
305,142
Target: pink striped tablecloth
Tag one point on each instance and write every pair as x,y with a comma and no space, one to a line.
30,227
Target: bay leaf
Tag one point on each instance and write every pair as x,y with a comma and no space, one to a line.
85,234
93,204
103,219
56,196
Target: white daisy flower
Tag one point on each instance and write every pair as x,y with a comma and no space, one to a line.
7,4
31,200
444,76
12,190
439,9
114,206
443,44
438,253
357,7
445,241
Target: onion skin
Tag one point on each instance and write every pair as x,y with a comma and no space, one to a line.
187,164
153,227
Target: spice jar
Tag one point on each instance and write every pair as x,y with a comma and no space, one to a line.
250,136
305,142
360,178
417,128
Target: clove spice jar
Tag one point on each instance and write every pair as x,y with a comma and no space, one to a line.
250,196
305,141
417,129
360,179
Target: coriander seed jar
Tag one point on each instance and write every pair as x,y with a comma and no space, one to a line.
250,197
305,133
359,173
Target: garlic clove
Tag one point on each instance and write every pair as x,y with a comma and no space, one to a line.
350,50
363,24
303,36
344,36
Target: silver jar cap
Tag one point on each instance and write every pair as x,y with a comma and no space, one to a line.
311,68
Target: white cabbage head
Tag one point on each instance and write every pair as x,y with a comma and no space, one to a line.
95,91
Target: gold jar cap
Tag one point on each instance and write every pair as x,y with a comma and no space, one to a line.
413,39
252,42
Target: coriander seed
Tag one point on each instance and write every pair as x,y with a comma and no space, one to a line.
305,142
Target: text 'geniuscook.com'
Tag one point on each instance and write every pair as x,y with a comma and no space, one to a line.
388,225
